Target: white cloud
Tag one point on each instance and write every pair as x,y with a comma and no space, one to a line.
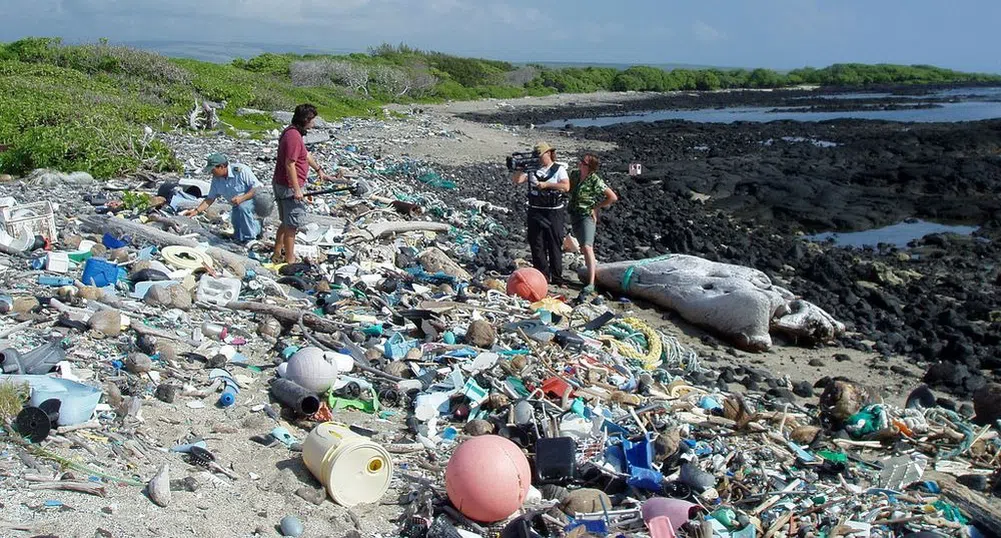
706,33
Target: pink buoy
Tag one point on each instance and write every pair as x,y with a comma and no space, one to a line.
487,478
528,283
678,511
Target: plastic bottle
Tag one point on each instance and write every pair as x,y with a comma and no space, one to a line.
214,330
228,397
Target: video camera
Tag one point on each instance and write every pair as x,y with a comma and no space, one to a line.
525,161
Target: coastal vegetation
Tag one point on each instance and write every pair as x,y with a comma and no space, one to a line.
96,107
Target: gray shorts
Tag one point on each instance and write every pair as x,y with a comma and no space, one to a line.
291,212
583,229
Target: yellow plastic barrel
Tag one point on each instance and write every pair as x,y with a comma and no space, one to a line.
354,469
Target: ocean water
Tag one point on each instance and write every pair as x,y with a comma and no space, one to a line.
897,234
978,104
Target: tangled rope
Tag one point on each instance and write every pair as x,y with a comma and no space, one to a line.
679,356
629,345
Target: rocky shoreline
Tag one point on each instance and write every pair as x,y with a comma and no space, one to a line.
936,301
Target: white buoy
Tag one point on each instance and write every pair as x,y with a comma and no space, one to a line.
310,370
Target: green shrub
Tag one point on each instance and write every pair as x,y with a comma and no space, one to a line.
84,107
276,65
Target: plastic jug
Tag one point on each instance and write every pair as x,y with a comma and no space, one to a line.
218,291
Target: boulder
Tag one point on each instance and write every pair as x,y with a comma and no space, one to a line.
987,404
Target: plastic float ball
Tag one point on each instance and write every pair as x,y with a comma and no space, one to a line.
487,478
528,283
309,369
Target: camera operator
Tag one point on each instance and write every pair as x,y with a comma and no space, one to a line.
546,211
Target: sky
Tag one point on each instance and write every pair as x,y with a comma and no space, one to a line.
779,34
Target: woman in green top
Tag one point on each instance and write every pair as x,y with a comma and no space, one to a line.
588,194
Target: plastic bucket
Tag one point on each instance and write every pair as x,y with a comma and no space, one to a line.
354,469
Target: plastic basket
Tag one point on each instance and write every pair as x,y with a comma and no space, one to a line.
42,220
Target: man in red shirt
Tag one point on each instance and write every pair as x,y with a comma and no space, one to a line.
291,171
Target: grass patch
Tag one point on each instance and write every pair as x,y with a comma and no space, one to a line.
12,400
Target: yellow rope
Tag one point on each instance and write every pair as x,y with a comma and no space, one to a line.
650,359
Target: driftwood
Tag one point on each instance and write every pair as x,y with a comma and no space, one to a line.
385,229
160,238
288,316
141,328
72,485
986,513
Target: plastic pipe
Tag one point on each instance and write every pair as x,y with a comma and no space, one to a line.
293,395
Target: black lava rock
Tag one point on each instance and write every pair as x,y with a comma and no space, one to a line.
803,389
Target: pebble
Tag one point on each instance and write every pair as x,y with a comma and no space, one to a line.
478,427
291,526
159,487
166,393
803,389
138,363
24,305
481,334
106,322
585,501
312,495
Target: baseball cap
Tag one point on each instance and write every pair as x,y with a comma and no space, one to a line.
542,147
215,160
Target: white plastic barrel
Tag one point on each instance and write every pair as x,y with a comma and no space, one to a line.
354,469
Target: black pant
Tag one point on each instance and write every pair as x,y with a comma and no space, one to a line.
546,230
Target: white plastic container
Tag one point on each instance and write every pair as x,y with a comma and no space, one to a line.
307,252
58,262
344,363
354,469
218,291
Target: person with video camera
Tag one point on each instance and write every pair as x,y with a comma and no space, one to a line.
548,182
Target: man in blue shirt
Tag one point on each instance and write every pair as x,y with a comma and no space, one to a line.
237,184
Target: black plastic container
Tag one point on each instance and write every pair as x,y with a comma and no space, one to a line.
554,460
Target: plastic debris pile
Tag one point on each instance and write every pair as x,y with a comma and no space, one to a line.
387,367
